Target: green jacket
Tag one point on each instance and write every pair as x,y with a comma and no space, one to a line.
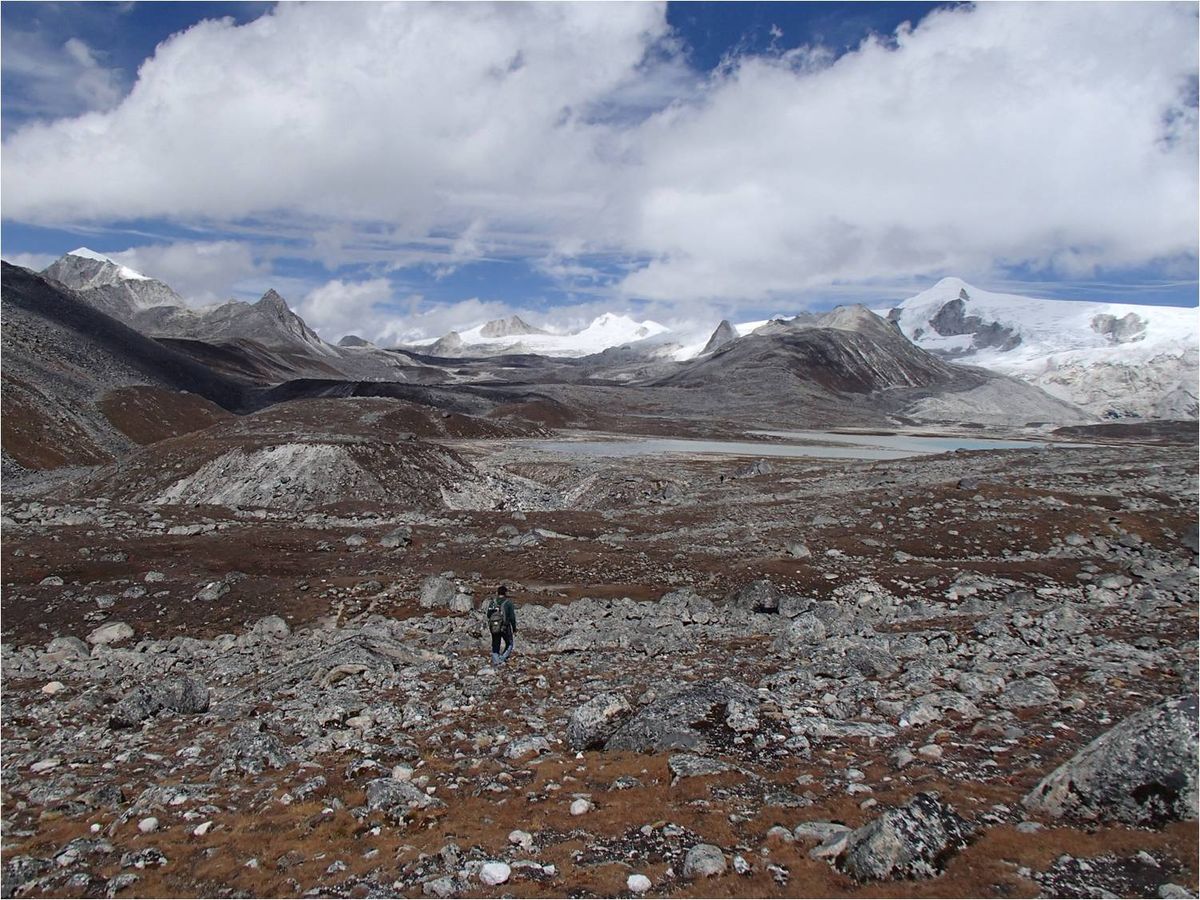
508,611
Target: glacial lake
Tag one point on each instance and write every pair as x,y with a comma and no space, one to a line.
816,444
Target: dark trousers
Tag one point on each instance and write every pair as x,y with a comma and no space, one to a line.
507,635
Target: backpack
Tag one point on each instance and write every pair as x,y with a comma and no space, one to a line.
495,617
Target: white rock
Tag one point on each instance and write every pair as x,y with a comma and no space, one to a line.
148,824
522,838
53,688
402,773
202,829
580,806
45,765
494,873
112,633
638,884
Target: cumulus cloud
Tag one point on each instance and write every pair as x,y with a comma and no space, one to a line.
35,261
338,308
430,116
200,271
1001,133
50,80
1046,135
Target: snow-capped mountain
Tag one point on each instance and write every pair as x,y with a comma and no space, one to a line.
1113,359
113,288
513,335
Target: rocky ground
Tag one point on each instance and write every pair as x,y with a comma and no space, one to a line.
794,678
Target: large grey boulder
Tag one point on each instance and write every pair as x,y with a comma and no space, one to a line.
1141,772
1035,691
704,861
110,633
395,799
680,721
592,723
251,750
757,596
805,630
68,647
914,841
437,590
178,693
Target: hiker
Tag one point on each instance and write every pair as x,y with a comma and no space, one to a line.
502,622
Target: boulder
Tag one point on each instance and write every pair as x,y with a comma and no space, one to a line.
680,721
691,765
252,750
1141,772
400,537
110,633
804,629
69,646
437,590
494,873
592,723
272,626
526,745
704,861
1036,691
914,841
757,596
397,798
213,591
178,693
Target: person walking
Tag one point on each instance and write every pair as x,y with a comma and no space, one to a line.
502,623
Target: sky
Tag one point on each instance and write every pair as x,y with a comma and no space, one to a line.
399,169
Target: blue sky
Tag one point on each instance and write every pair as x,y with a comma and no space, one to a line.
399,169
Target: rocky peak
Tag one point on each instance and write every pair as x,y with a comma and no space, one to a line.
513,325
82,269
724,334
272,301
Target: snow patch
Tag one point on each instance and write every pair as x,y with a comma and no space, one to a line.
125,272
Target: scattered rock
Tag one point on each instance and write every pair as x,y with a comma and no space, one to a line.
757,596
1036,691
178,693
494,873
913,841
591,724
1142,772
704,861
110,633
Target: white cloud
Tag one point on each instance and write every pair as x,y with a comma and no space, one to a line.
200,271
1048,134
45,79
35,261
429,116
1002,133
338,308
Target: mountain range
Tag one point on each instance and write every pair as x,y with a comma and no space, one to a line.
99,358
1116,360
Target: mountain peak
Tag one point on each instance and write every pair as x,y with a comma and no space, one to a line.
952,285
724,334
119,272
272,300
513,325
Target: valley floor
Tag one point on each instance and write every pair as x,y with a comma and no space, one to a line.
960,624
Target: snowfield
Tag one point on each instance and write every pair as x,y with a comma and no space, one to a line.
1114,359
